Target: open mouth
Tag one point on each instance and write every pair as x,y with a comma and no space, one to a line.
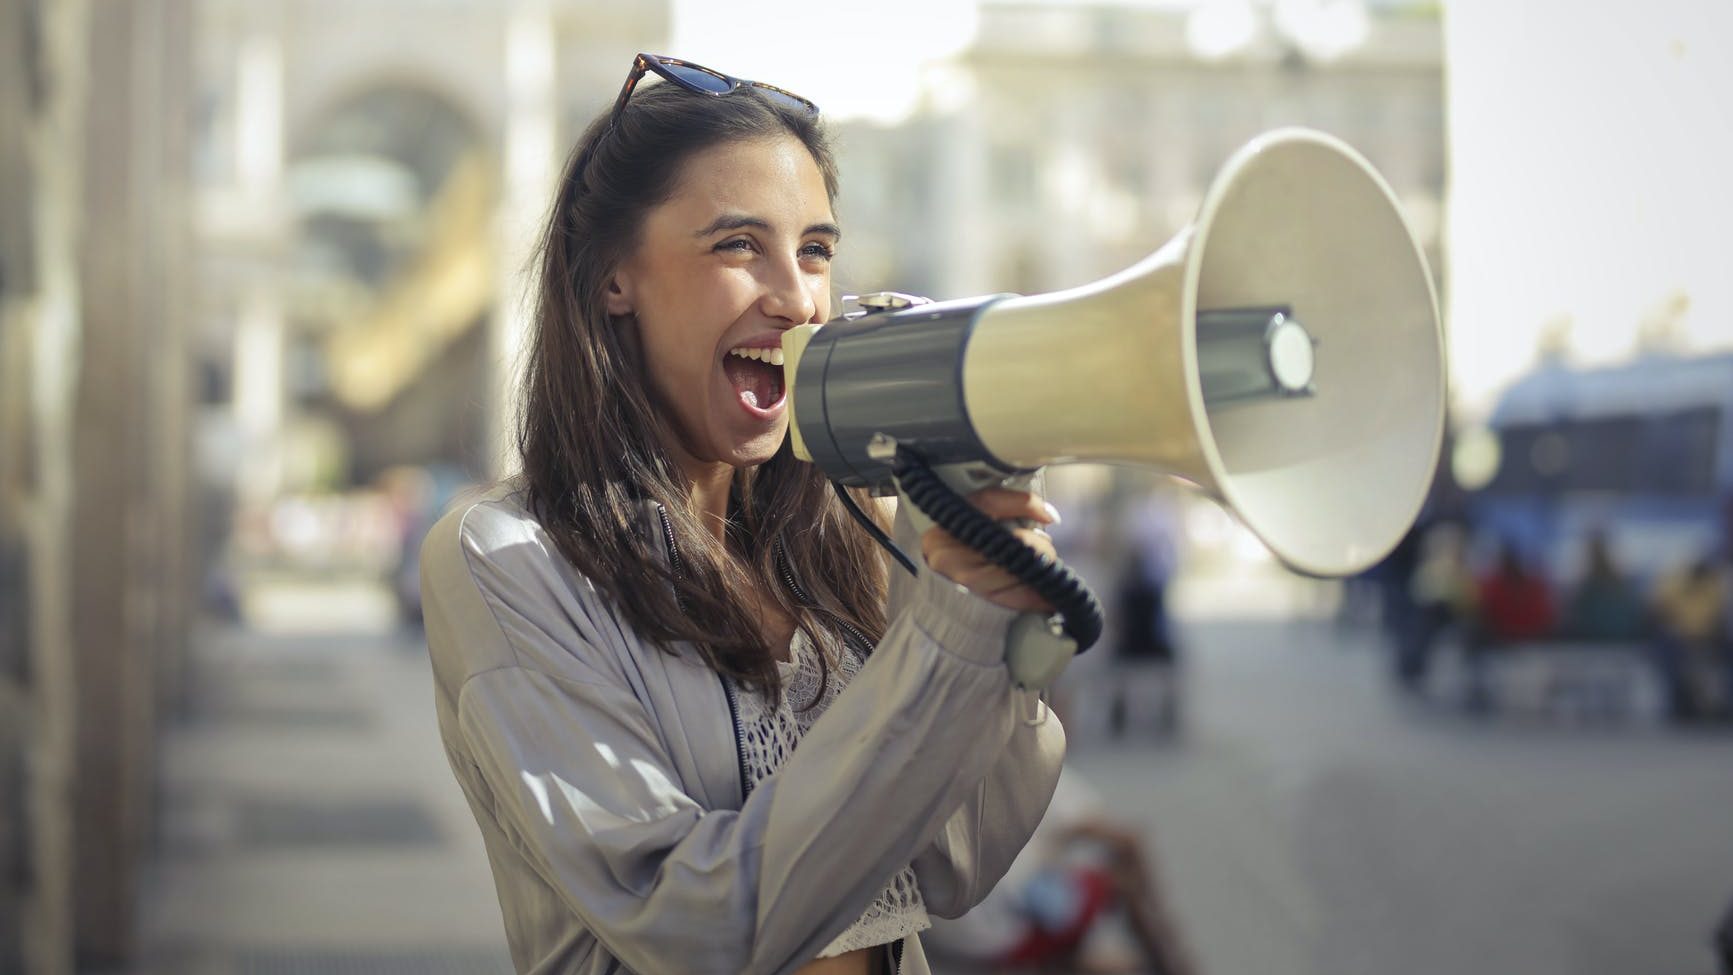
756,375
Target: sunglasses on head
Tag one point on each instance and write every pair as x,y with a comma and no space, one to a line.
702,81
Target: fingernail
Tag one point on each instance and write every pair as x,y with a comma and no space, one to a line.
1052,513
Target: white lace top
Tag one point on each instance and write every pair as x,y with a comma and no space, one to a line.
770,735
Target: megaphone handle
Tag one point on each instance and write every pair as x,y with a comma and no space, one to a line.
967,478
1037,650
1038,646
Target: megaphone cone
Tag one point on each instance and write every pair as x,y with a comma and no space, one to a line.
1283,354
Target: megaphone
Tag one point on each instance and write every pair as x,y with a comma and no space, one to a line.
1282,354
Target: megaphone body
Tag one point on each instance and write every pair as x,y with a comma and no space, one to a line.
1283,354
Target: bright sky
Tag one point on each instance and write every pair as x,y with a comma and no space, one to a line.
1591,160
867,60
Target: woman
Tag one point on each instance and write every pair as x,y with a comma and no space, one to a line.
630,637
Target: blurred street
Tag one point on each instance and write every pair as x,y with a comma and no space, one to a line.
1307,818
1312,821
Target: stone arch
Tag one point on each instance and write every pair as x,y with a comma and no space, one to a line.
394,190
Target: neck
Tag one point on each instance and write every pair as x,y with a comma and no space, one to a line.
709,497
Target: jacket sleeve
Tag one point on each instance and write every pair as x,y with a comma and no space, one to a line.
971,854
581,780
981,838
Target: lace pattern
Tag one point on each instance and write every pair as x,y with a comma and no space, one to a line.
771,735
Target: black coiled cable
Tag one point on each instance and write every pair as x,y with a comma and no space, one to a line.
1069,594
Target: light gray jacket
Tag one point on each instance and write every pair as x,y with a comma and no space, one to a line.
606,778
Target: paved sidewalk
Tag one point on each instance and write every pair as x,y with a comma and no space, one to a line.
309,823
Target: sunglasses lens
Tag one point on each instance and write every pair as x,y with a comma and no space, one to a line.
784,100
697,78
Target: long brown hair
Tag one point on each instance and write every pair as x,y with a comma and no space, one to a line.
590,437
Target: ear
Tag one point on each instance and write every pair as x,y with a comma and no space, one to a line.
620,294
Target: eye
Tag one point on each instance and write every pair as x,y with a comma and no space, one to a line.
817,251
738,245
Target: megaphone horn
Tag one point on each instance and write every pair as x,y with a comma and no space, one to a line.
1283,353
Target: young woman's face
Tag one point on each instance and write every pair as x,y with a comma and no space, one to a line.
737,256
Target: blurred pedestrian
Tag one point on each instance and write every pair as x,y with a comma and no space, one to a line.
1443,595
1691,638
1145,656
1395,579
410,495
1604,604
1513,603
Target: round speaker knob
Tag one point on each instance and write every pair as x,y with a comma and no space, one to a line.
1288,347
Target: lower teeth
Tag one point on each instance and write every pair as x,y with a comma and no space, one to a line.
750,397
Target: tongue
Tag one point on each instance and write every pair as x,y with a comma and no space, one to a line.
758,384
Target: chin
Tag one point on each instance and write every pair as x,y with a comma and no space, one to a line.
752,457
758,450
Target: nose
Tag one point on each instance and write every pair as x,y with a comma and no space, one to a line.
788,294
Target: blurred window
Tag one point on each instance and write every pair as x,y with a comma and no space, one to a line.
1681,457
1666,454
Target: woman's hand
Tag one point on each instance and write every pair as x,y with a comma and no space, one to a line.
969,569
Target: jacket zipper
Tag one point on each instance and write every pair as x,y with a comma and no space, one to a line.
862,645
727,688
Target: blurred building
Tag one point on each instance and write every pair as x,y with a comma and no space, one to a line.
368,178
94,449
1071,140
246,247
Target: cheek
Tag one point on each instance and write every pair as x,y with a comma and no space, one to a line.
676,361
822,292
679,355
668,326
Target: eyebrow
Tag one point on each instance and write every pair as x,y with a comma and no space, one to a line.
739,221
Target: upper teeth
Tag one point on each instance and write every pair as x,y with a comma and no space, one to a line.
772,356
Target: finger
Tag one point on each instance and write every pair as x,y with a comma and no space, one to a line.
935,539
1004,504
987,580
965,567
1038,540
960,557
1023,599
997,586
